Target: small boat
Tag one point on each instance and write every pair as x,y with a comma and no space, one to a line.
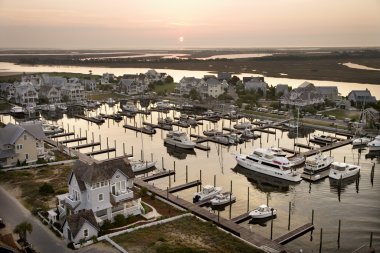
138,166
222,199
222,139
179,139
234,139
183,123
49,108
277,151
263,211
192,122
163,105
343,170
212,132
248,134
183,116
243,125
375,144
324,138
130,107
291,125
110,101
148,129
51,129
208,192
362,141
319,163
62,107
97,119
165,126
166,120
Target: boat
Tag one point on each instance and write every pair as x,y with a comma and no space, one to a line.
324,138
148,129
222,199
97,119
212,132
208,192
277,151
165,126
263,211
361,141
343,170
110,101
183,116
375,144
49,129
234,139
139,165
317,164
223,139
179,139
182,123
243,125
291,125
265,161
166,120
192,122
248,134
62,107
163,105
130,107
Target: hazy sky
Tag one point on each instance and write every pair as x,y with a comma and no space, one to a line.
188,23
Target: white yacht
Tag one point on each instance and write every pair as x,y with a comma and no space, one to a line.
262,211
222,199
277,151
208,192
179,139
319,163
111,101
375,144
343,170
324,138
163,105
243,125
130,107
138,166
362,141
266,162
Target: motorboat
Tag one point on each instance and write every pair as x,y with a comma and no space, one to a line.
182,123
375,144
223,139
265,161
212,132
243,125
192,122
130,107
291,125
163,105
317,164
165,126
234,139
183,116
62,107
263,211
49,129
179,139
277,151
139,165
208,192
166,120
361,141
222,199
110,101
297,160
98,119
343,170
148,129
248,134
324,138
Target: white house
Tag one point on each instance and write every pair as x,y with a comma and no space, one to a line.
256,84
186,84
361,96
89,85
304,95
73,90
107,78
51,93
104,187
26,94
211,87
133,85
36,130
81,226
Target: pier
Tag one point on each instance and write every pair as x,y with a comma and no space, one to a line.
87,145
91,119
101,151
332,146
241,218
158,175
140,129
73,140
62,135
294,234
301,145
184,186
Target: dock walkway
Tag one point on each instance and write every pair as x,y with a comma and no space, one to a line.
294,233
327,148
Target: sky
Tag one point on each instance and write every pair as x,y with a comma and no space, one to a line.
178,24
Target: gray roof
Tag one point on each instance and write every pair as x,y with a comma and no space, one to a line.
362,95
10,133
213,81
35,129
76,221
127,82
7,153
101,171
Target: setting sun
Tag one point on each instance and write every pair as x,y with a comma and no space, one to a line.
181,39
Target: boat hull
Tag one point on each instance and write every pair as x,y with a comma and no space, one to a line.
179,144
343,175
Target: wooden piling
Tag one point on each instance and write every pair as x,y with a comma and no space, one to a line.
320,241
230,199
339,224
200,178
214,180
174,170
248,201
290,209
312,216
162,162
271,225
186,175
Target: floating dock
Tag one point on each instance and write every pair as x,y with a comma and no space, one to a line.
101,151
294,234
184,186
327,147
61,135
140,129
73,140
87,145
301,145
91,119
158,175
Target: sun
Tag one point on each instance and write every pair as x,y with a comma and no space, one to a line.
181,39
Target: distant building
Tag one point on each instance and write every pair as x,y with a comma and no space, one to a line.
282,89
212,87
56,81
361,97
154,76
304,95
73,90
186,84
107,78
89,85
26,94
51,93
330,92
255,84
224,76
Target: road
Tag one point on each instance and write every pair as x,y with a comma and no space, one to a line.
42,239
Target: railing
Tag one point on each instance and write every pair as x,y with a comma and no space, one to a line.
70,200
122,196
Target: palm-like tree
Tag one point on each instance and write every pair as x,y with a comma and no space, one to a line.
22,229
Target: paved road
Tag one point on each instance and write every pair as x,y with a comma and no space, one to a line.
42,239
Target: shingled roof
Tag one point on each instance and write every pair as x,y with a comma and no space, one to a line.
100,171
76,221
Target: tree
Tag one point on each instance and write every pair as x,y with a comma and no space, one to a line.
234,80
169,79
194,94
22,229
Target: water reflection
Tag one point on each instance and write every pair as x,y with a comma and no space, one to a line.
302,132
178,152
52,115
263,182
373,154
74,110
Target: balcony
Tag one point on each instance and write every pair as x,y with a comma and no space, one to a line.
122,196
70,200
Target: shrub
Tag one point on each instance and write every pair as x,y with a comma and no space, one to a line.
46,189
119,220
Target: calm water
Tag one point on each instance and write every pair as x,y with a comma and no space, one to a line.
358,207
343,87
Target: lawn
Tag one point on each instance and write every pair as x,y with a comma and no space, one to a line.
187,234
164,88
104,95
342,114
4,105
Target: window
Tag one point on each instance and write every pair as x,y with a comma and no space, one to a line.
100,197
26,156
18,146
25,137
85,232
36,144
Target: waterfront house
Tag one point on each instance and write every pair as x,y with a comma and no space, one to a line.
73,90
359,97
224,76
130,86
154,76
80,226
255,84
186,84
107,78
105,187
36,130
212,87
282,89
56,81
51,93
4,87
304,95
329,92
18,145
26,93
36,80
89,85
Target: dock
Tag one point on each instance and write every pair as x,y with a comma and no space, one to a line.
184,186
87,145
294,234
327,148
158,175
61,135
101,151
73,140
167,127
241,218
91,119
140,129
202,147
301,145
316,177
291,151
208,201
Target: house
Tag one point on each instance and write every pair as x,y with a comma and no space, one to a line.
255,84
107,78
224,76
4,87
36,130
130,86
304,95
212,87
81,226
361,96
154,76
17,145
282,89
104,187
26,94
186,84
329,92
55,81
34,79
51,93
73,90
89,85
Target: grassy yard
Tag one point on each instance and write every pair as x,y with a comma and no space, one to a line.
187,234
25,185
342,114
4,105
164,88
104,95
